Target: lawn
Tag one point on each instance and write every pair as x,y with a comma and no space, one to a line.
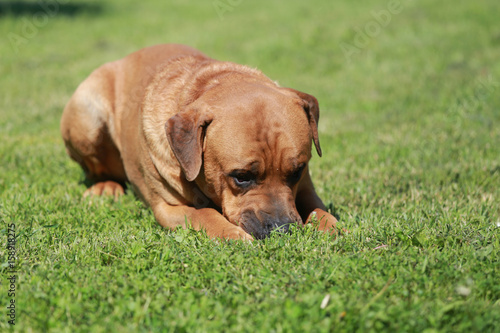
410,129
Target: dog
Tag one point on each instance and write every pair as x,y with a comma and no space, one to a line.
214,145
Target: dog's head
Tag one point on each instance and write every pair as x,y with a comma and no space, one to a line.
247,147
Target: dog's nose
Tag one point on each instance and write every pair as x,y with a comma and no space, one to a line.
262,225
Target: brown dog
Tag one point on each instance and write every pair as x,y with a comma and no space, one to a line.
214,144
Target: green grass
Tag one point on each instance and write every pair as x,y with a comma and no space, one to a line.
410,131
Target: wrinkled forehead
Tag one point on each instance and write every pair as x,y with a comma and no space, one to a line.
269,133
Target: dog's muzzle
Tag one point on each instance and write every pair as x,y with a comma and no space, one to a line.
261,226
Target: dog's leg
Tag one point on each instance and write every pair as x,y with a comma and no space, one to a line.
215,225
86,134
310,206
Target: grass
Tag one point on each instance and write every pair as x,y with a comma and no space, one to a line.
410,131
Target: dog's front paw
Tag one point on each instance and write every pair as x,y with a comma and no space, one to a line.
236,233
323,221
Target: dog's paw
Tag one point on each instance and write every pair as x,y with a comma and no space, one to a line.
323,221
105,188
237,233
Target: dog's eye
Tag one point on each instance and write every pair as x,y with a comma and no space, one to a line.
295,176
243,179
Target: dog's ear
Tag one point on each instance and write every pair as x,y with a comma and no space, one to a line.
186,133
311,107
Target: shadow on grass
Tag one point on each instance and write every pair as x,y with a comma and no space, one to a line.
51,8
333,210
